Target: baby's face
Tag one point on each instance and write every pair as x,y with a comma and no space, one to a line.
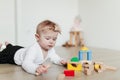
47,39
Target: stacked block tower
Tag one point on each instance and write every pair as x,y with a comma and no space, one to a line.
75,63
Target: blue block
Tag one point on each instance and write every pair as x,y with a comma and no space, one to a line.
80,55
89,55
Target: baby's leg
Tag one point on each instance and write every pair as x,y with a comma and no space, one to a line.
3,56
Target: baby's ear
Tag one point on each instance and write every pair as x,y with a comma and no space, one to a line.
37,37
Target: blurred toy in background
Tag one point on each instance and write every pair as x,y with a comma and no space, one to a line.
75,34
76,24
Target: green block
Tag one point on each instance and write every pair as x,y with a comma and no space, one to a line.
74,59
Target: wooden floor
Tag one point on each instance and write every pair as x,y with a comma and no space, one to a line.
108,57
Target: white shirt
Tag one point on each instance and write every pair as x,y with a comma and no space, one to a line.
31,57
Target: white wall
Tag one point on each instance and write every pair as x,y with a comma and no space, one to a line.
30,13
100,20
7,21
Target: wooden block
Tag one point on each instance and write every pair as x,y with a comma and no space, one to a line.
110,67
69,72
87,71
73,66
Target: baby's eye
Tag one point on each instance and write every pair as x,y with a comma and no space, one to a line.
47,38
54,39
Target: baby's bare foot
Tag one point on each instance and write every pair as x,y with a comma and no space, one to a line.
6,43
0,45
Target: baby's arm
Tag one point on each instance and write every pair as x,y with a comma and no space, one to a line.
56,58
63,62
28,64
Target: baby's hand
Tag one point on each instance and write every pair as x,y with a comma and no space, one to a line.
42,69
63,62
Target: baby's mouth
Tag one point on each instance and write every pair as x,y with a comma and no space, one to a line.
50,45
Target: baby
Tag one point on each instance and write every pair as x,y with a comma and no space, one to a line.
32,58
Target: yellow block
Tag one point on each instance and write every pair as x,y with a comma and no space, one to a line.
97,66
76,67
84,48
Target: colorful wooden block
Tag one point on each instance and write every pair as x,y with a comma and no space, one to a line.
84,48
69,72
74,66
89,54
74,59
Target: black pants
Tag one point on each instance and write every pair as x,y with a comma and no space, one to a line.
7,55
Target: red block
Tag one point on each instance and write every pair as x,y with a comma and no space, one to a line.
69,72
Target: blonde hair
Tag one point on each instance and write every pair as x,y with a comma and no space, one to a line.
47,25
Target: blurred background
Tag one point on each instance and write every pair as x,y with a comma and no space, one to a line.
99,20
